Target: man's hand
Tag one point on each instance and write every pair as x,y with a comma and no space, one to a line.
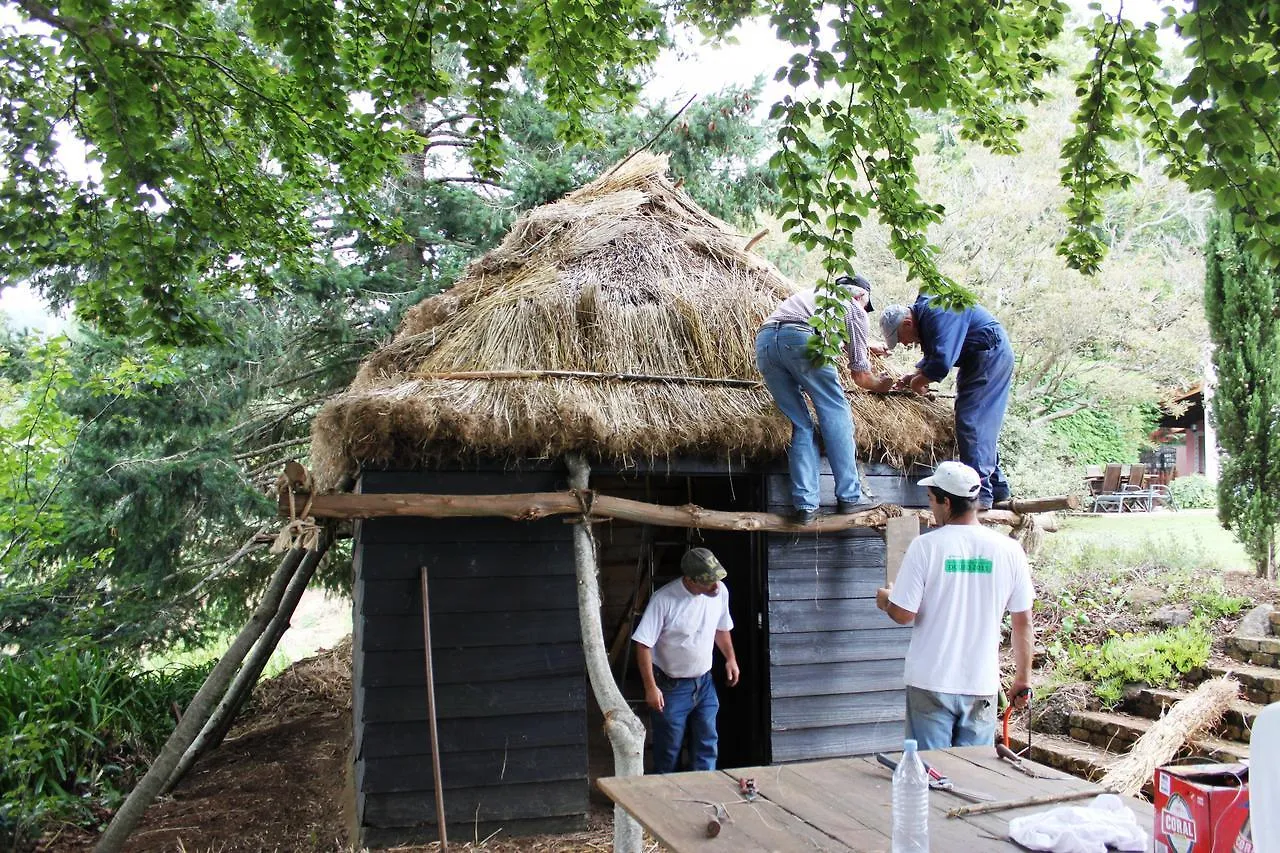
877,350
731,673
654,699
1020,694
882,596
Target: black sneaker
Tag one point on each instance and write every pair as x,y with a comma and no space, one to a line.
850,507
803,516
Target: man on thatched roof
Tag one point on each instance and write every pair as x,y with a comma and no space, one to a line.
784,356
973,342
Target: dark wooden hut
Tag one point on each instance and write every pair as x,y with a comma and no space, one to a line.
617,323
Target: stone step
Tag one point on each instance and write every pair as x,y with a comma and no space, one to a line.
1153,703
1259,651
1116,732
1259,684
1064,753
1275,621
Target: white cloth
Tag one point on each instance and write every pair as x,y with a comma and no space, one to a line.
680,627
1105,824
959,580
799,307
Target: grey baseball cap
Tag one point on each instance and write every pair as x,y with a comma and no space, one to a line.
890,319
858,281
701,566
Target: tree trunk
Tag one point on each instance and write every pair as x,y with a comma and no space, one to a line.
625,731
224,715
117,832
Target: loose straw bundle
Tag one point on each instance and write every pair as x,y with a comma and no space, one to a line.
1160,745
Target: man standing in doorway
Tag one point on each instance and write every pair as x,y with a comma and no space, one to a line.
973,342
784,358
955,586
683,621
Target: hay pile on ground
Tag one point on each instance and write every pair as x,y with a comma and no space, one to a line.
624,276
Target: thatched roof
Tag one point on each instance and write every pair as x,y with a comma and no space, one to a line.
626,275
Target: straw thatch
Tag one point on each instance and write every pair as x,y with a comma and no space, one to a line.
626,275
1190,717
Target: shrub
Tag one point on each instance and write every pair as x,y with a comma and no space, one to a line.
1156,659
78,725
1193,492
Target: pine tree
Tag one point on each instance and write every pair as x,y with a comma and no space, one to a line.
1241,305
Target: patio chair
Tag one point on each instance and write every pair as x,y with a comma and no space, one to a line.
1109,497
1135,491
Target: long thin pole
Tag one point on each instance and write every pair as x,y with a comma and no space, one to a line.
431,715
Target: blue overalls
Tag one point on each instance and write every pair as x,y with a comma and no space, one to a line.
973,342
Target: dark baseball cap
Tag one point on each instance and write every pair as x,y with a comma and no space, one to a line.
701,566
857,281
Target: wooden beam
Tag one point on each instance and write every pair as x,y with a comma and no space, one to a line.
531,506
1025,506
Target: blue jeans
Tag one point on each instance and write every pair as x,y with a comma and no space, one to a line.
688,703
783,359
982,395
942,720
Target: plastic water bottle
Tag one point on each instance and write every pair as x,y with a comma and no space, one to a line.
910,803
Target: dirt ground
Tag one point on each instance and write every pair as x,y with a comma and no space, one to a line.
278,783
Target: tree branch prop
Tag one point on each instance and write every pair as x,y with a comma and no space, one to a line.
625,731
219,723
124,821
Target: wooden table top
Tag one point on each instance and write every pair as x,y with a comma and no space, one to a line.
841,805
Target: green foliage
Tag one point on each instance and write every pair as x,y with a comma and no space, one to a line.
1096,436
211,136
1193,492
1158,659
78,726
1240,300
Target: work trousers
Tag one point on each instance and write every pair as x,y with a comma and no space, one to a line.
689,704
783,359
982,396
943,720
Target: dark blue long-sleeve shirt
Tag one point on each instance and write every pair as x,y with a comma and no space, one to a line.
946,335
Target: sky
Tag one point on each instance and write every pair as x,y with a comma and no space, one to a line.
691,68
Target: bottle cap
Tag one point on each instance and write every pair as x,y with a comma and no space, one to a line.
909,745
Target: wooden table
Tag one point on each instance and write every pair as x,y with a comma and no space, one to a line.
841,805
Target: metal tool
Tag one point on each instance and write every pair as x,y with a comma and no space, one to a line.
1012,757
937,781
1011,704
747,788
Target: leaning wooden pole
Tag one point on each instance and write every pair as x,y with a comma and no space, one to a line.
437,776
224,715
625,731
198,711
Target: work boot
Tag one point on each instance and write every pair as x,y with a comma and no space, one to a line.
803,516
850,507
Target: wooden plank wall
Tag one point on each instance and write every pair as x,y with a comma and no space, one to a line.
511,687
835,660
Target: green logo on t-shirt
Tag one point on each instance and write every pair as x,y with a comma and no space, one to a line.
969,565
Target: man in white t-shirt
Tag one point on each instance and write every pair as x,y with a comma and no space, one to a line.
955,585
683,621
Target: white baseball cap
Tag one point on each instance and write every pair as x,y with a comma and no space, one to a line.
955,478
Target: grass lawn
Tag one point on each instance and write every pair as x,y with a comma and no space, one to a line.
1192,531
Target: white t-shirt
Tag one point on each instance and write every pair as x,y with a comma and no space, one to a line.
681,626
959,580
